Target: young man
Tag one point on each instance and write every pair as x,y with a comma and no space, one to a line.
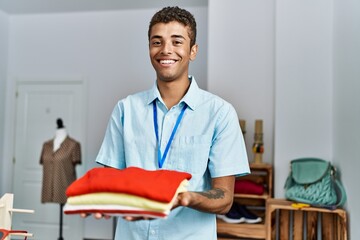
207,141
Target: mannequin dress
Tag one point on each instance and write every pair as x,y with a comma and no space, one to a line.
59,166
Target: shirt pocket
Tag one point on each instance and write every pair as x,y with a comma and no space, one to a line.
191,154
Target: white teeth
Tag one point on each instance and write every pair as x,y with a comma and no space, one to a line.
167,61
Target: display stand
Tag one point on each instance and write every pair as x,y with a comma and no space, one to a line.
61,222
286,222
6,211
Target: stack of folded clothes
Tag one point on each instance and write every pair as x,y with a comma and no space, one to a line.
128,192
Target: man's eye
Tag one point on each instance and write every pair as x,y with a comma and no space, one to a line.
177,42
156,43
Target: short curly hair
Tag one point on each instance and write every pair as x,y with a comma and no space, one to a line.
169,14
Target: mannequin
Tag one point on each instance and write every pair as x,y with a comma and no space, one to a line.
60,134
59,156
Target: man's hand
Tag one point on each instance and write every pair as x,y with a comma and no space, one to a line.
216,200
182,199
105,216
131,219
96,215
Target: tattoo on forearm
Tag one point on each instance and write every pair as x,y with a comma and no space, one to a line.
215,193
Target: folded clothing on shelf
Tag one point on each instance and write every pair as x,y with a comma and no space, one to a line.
248,187
131,191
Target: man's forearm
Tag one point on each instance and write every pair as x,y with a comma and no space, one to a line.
216,200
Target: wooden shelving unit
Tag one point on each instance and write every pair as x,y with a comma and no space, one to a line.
6,212
320,223
264,172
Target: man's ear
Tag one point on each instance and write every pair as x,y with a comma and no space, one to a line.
193,52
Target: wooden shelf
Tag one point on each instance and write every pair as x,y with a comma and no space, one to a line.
263,196
264,173
282,218
257,231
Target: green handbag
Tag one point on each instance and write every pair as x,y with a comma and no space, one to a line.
314,181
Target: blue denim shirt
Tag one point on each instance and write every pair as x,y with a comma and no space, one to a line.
208,144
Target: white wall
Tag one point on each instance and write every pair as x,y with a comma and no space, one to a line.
303,85
4,33
241,63
346,140
109,50
254,48
316,59
317,90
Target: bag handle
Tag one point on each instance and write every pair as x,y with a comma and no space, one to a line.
340,190
341,193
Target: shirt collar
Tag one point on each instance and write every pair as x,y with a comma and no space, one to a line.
191,97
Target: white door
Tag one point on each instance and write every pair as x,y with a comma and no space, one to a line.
39,104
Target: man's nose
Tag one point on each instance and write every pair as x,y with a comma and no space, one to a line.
167,48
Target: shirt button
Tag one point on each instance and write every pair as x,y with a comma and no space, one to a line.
152,232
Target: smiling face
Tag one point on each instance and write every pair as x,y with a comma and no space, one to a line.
170,51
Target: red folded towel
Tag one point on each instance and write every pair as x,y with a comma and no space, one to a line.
159,185
248,187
